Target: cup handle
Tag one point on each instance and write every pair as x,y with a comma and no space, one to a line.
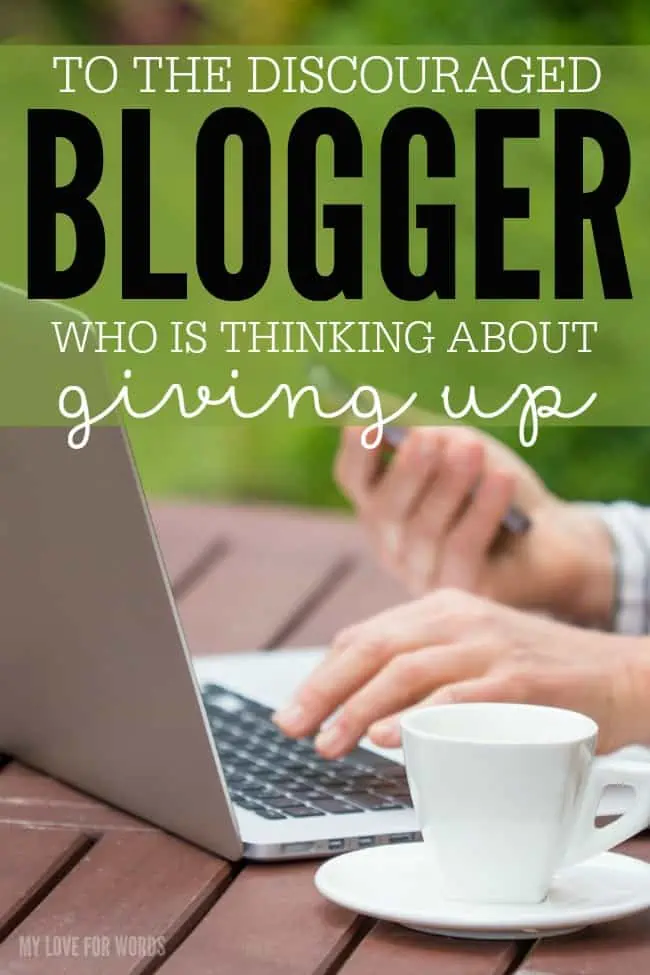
588,839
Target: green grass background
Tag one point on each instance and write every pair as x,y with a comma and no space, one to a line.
288,463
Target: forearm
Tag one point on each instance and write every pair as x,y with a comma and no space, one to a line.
634,688
590,595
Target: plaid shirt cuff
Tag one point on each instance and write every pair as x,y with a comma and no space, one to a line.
629,527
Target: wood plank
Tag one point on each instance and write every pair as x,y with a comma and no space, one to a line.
364,591
619,946
287,529
390,948
31,799
32,859
149,888
187,535
270,921
184,527
278,564
249,600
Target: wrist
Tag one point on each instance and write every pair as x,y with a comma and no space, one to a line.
589,595
631,657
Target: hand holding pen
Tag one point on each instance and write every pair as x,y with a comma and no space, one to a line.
514,519
336,391
448,507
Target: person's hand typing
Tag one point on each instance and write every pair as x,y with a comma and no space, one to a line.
450,646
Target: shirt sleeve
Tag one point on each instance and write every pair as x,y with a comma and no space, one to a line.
629,528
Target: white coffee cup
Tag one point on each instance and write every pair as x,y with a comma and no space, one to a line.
507,794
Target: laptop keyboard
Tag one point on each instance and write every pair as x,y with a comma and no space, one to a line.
279,778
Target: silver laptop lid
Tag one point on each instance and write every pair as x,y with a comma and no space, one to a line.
97,688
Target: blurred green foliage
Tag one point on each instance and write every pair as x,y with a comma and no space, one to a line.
342,21
477,22
293,464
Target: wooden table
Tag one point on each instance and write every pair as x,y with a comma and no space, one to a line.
87,889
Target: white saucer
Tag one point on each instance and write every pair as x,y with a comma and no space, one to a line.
398,883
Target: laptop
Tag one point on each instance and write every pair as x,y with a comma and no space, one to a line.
99,691
98,688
